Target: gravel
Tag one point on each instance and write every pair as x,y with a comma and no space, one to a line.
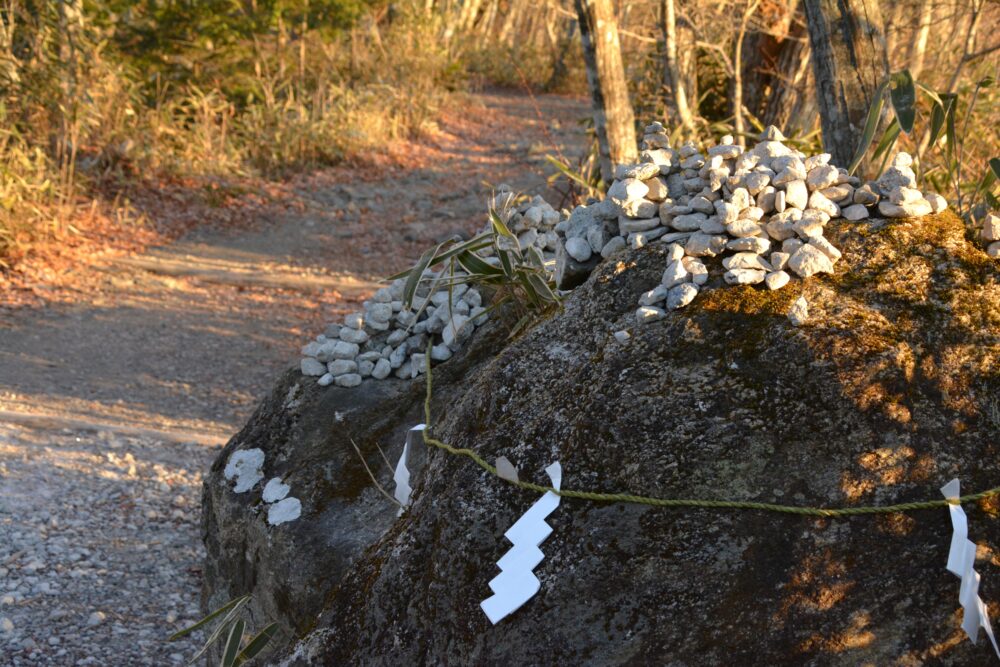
100,552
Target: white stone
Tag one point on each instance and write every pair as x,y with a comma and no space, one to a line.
796,194
744,227
681,295
339,367
325,380
275,490
627,189
614,246
353,335
808,261
743,276
457,331
623,336
578,249
755,244
826,247
697,269
779,260
284,511
914,209
382,369
991,228
993,250
822,176
819,202
854,212
798,314
349,380
675,274
746,260
705,245
245,466
96,618
344,350
777,280
653,296
649,314
312,367
937,202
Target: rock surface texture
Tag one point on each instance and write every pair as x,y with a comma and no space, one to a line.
885,393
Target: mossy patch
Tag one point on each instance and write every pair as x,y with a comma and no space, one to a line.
748,300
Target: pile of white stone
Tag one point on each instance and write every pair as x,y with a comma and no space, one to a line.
763,209
388,337
991,235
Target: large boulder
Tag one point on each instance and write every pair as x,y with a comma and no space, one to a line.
889,390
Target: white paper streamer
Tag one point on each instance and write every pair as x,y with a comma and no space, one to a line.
516,583
961,561
402,473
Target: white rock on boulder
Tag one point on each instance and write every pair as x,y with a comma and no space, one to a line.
777,280
808,261
312,367
991,228
798,314
681,295
578,249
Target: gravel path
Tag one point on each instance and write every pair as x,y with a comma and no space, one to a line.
99,547
104,390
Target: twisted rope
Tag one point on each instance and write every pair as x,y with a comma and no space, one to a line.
688,502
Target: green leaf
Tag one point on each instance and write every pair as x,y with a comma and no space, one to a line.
257,644
233,644
888,139
930,92
416,273
500,227
903,95
995,167
238,602
939,113
476,266
950,134
871,124
222,627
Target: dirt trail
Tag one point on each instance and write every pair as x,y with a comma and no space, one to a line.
184,338
114,397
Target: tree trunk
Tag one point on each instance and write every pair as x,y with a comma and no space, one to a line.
738,125
614,122
849,62
919,47
673,82
790,102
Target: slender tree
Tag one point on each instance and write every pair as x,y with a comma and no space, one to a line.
849,62
673,81
614,121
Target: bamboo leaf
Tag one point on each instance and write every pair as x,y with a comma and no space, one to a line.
888,139
903,96
416,273
238,602
476,266
233,644
500,227
939,113
871,124
257,644
995,167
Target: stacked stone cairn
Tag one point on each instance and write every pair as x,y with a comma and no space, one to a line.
762,210
388,338
991,235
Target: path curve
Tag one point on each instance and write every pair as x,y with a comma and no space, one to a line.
112,405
